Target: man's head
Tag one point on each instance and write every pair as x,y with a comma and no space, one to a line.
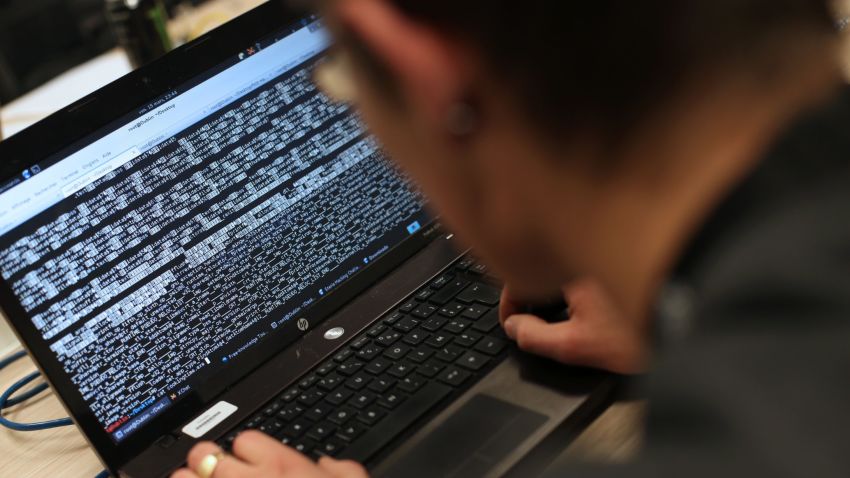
552,135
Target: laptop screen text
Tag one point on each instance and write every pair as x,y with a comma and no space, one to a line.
190,247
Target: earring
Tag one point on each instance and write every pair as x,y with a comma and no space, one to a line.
462,119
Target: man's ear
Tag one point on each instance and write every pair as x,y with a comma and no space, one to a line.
426,65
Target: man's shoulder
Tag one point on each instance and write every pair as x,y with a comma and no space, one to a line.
783,237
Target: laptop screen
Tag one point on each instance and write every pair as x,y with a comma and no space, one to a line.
153,256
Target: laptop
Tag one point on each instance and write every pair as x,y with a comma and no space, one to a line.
210,245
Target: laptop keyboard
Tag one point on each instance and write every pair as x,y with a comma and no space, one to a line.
433,347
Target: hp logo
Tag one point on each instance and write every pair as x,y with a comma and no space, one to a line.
303,324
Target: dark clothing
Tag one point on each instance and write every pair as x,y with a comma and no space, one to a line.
753,379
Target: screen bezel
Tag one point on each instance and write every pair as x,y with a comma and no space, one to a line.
99,109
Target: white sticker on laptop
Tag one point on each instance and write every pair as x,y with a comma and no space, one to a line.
209,419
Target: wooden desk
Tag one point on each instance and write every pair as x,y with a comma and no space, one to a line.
57,453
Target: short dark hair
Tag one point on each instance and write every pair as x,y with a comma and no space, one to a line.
604,63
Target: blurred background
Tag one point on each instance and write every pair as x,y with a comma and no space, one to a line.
53,52
41,39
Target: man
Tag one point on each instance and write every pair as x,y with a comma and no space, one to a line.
693,158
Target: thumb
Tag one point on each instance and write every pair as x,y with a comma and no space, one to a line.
534,335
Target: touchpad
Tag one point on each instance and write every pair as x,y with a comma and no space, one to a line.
470,442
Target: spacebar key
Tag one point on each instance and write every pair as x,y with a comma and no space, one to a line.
396,422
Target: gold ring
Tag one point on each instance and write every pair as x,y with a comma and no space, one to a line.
208,465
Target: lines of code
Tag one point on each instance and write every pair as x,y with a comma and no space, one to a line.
140,276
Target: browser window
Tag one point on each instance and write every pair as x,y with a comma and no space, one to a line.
152,258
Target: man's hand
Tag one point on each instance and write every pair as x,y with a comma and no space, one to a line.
256,455
597,334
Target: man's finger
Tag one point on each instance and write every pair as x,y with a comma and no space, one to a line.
507,305
260,449
343,469
534,335
228,466
184,473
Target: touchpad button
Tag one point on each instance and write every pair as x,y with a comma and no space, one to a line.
471,441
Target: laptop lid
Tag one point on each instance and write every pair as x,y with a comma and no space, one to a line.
216,198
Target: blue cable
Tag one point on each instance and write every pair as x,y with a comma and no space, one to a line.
27,427
7,400
11,359
23,397
12,401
